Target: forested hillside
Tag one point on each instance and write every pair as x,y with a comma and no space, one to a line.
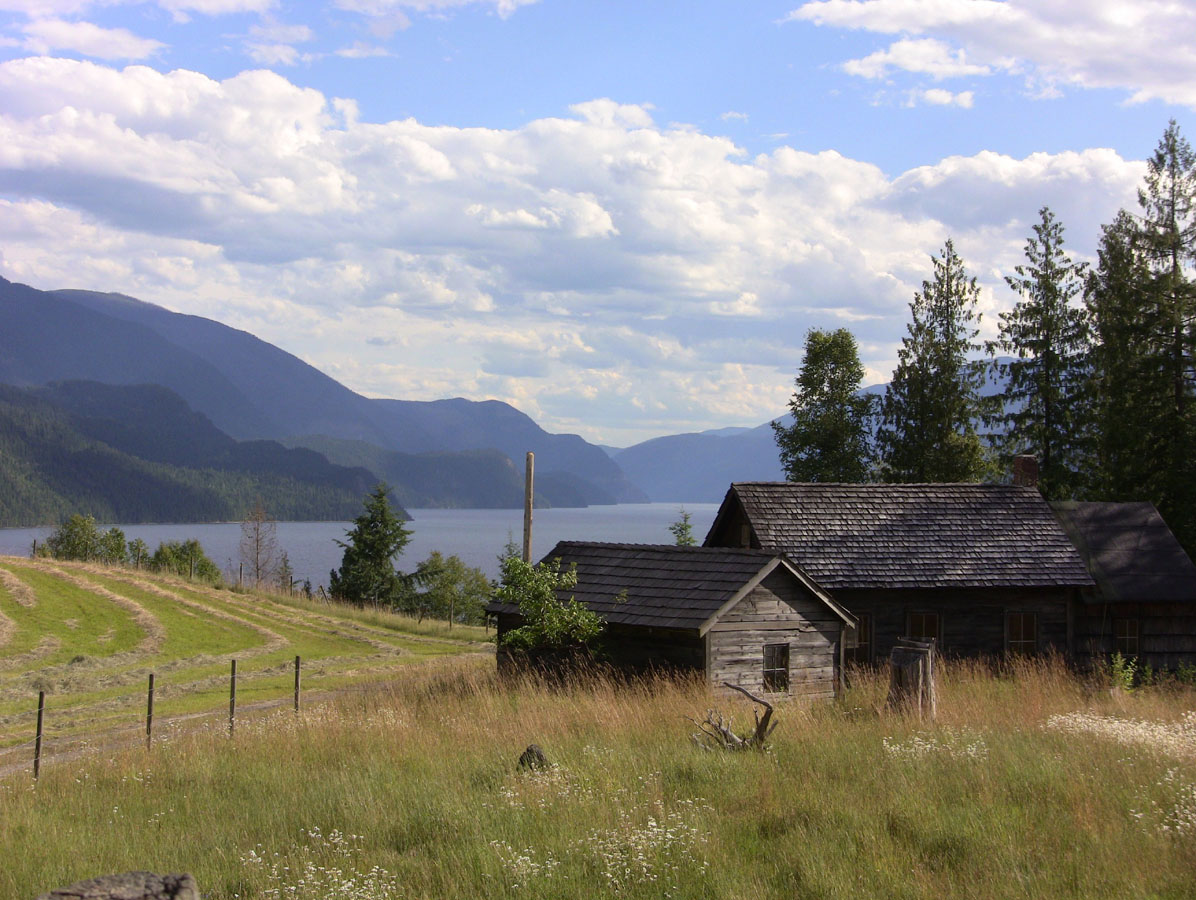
53,463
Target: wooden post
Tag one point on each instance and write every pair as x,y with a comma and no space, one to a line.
912,677
33,552
149,714
192,576
232,700
37,744
297,684
528,492
240,574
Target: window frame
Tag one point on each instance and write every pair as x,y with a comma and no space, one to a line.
1021,646
937,636
861,653
778,672
1130,643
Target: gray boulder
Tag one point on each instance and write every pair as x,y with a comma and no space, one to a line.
130,886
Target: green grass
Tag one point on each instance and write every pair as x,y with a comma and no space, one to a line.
851,801
108,629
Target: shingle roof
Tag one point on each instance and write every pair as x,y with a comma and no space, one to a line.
666,586
1130,551
910,535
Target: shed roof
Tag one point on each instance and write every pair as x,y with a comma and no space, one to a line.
1130,551
665,586
848,536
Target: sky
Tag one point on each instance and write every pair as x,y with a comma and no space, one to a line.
621,217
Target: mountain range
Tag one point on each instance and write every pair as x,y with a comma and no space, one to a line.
436,453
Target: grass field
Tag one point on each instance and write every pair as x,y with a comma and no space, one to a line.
89,637
1032,783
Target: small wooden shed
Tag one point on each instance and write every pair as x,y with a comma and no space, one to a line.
746,617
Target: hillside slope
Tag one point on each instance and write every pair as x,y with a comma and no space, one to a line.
180,469
252,389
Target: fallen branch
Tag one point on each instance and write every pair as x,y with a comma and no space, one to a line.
716,730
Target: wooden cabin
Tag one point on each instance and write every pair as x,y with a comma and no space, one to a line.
748,617
981,568
1143,602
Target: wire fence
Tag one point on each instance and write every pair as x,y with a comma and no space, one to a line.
16,757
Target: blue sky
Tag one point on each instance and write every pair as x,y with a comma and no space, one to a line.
620,217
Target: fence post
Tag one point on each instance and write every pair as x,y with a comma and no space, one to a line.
232,700
240,574
37,744
33,553
149,714
296,684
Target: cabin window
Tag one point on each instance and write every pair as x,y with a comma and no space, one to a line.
1125,636
776,668
1021,632
862,651
924,626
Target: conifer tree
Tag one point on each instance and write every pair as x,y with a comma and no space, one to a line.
929,415
1125,407
1048,336
367,574
829,437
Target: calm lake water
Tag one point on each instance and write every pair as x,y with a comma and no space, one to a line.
475,535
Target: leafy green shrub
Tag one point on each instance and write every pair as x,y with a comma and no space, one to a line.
548,623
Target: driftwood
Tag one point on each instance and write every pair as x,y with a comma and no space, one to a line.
912,678
715,731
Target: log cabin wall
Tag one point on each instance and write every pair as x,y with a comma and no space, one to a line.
777,611
971,621
1160,635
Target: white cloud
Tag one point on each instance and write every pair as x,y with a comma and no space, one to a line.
362,50
659,277
925,56
731,114
1147,48
504,8
940,97
46,35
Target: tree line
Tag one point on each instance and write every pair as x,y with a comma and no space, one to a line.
1098,380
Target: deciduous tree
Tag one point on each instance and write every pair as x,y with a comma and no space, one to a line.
259,545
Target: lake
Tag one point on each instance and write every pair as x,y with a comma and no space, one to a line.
475,535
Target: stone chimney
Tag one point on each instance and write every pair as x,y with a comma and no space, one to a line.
1025,470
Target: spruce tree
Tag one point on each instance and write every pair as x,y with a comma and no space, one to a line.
929,415
1048,336
367,575
829,437
1128,390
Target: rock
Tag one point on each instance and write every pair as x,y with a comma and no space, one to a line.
533,758
130,886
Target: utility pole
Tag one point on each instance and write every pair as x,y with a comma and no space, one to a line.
528,490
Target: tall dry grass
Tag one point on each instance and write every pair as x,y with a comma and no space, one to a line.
411,790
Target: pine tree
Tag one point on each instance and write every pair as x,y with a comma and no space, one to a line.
1048,335
829,437
1168,241
683,530
1128,390
929,415
367,575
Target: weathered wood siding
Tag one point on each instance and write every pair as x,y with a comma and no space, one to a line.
1166,632
777,611
972,621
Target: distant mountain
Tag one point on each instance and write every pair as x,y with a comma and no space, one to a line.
699,467
55,461
250,389
478,479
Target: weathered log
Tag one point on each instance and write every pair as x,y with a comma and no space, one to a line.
716,730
